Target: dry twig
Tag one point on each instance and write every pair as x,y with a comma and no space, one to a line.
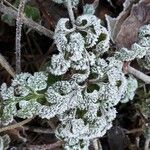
138,74
10,127
6,65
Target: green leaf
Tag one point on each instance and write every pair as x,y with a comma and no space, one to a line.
8,19
32,12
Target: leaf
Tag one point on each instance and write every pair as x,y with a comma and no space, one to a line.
32,12
8,19
139,16
4,142
124,28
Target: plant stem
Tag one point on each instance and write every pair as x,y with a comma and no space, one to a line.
138,74
6,65
19,24
70,11
10,127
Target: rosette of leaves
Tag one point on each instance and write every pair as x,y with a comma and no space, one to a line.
85,97
85,101
74,44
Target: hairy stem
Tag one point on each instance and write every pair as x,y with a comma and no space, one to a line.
70,11
19,24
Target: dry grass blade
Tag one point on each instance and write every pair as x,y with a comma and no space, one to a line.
6,65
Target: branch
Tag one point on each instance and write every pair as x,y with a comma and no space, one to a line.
138,74
26,21
38,130
45,146
19,24
6,65
70,11
10,127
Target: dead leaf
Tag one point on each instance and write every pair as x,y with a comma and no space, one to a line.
139,16
124,28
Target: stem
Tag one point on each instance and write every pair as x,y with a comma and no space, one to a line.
10,127
70,11
19,24
138,74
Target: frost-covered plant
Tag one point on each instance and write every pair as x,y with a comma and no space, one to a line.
88,83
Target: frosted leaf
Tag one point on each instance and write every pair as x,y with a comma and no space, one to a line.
37,82
91,114
4,142
73,2
6,93
109,95
145,41
20,81
76,144
28,109
63,96
145,62
130,90
59,65
136,51
88,9
90,26
90,21
82,64
8,112
110,114
75,47
26,83
144,31
81,77
103,44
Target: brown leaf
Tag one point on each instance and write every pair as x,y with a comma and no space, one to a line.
124,29
139,16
